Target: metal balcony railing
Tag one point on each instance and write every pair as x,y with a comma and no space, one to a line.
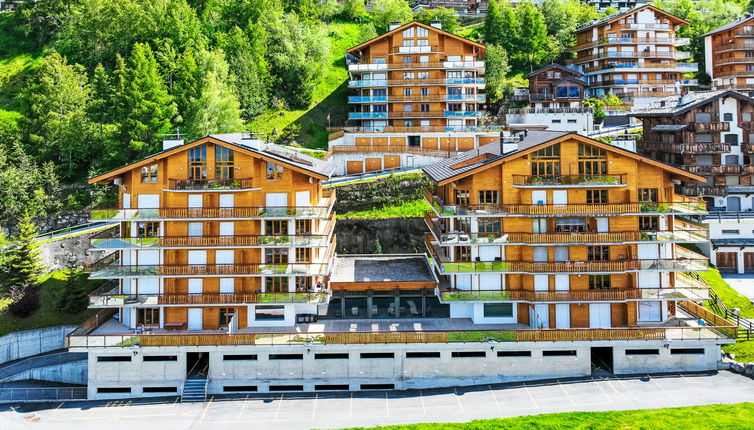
581,296
209,184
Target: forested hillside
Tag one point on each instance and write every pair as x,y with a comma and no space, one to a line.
88,85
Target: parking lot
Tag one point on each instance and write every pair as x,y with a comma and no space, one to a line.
338,410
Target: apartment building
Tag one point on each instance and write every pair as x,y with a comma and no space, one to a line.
556,230
418,98
634,55
225,231
554,99
461,7
729,55
710,133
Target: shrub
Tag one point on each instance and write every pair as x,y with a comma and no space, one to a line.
25,300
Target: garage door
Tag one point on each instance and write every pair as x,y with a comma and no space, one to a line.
726,261
374,164
392,161
749,262
354,167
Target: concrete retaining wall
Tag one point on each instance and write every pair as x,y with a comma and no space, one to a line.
59,254
22,344
75,372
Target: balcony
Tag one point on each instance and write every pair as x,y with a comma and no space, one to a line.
431,129
569,181
260,212
390,149
456,65
734,47
678,55
415,49
111,295
367,115
679,207
209,184
110,268
678,41
700,190
682,233
732,169
419,98
604,295
681,147
413,82
655,26
701,127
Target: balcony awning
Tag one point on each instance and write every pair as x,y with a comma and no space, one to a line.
670,128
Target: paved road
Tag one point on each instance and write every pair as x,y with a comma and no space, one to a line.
744,284
338,410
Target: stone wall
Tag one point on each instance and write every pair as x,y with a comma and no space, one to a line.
396,235
61,220
57,254
379,193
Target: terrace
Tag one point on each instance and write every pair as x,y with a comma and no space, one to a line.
568,181
209,184
103,331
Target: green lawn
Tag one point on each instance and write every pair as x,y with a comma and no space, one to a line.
17,59
330,96
728,295
47,315
737,416
410,209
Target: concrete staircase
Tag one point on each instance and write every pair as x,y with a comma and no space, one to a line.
194,389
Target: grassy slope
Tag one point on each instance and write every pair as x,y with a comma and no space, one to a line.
330,96
737,416
47,315
17,59
410,209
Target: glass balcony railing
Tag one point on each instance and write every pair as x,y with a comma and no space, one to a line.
568,180
462,114
367,99
117,242
464,81
211,213
119,270
209,184
367,115
603,295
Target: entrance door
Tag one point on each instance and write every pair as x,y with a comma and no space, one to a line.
562,315
599,315
748,262
195,319
602,359
733,204
726,261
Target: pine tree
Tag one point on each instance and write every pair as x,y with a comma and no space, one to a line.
215,111
532,33
145,108
22,264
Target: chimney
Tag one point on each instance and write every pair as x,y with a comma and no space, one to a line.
172,140
393,25
436,23
508,143
248,139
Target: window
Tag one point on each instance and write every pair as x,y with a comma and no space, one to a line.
408,42
468,354
197,162
463,225
731,139
407,91
276,255
276,227
148,316
148,229
592,160
379,108
727,117
160,358
546,161
514,353
331,356
303,283
286,356
463,197
303,226
539,225
424,91
598,253
379,60
276,284
599,282
498,310
408,59
422,75
596,197
559,353
488,197
224,162
686,351
489,225
274,171
642,352
649,223
364,355
269,312
422,32
424,107
731,231
570,225
422,355
149,173
462,253
110,358
454,107
225,315
648,195
408,108
239,357
303,255
409,32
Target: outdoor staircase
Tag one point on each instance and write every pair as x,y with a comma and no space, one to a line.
194,389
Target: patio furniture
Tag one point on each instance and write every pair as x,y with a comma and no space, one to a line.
391,309
173,325
412,307
355,311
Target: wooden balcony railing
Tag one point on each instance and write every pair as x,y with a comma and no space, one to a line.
430,129
680,147
209,184
568,180
690,207
386,149
720,169
116,299
700,190
607,295
709,126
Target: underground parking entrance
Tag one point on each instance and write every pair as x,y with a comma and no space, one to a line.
197,363
602,360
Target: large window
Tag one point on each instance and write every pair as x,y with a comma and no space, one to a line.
599,282
303,226
546,161
649,223
276,255
269,312
224,163
149,173
463,225
276,284
596,197
592,160
303,283
498,310
197,162
648,195
303,255
148,229
463,197
225,315
489,197
598,253
276,227
274,171
490,225
462,253
148,316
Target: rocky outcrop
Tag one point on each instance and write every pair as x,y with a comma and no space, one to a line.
62,253
395,235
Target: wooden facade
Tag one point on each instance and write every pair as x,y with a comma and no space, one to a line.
729,52
556,86
560,266
633,54
182,241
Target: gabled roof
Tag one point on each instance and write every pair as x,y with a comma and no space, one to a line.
490,155
417,23
619,15
553,66
730,25
677,105
570,79
268,151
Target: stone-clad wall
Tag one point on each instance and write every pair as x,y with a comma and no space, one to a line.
396,235
379,193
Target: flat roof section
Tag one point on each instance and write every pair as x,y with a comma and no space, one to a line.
381,271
